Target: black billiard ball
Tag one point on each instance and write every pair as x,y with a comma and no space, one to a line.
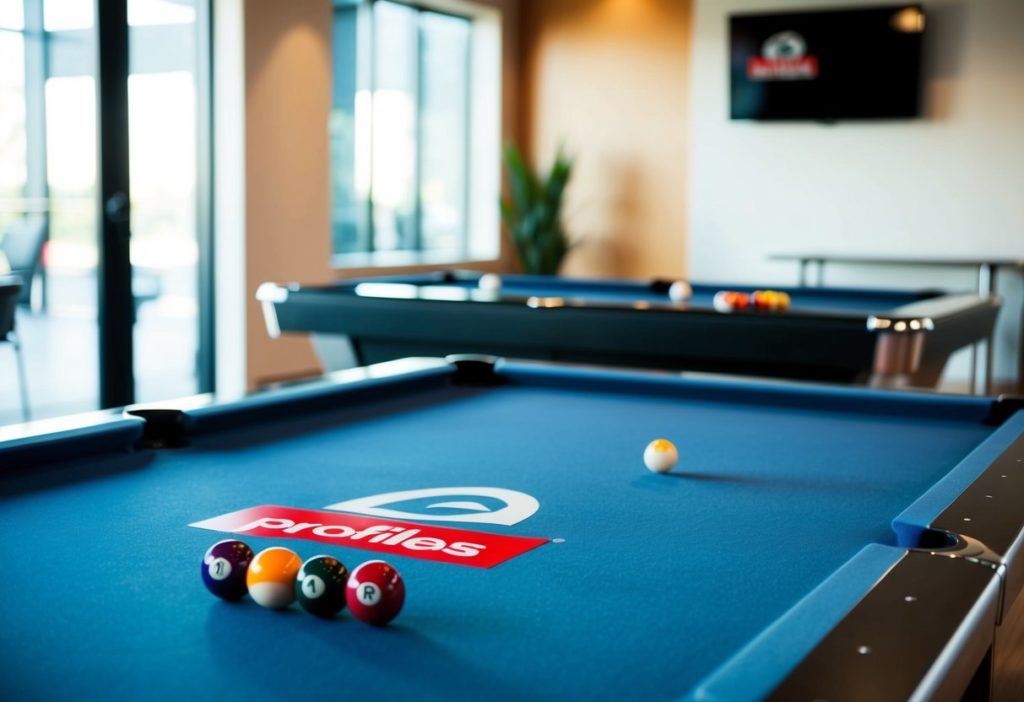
320,586
224,568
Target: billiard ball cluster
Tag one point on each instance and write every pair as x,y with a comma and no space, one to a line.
731,300
323,586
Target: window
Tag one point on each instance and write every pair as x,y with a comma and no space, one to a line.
49,164
415,133
13,144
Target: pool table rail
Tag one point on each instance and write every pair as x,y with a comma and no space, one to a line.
890,624
907,348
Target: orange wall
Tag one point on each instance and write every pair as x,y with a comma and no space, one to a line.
608,79
287,101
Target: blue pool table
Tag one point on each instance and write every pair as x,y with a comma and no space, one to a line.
880,337
812,543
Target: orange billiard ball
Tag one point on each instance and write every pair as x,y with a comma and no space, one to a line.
271,577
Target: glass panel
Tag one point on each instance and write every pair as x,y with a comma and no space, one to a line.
400,130
62,337
162,121
65,15
348,198
394,127
13,176
48,190
158,12
13,145
12,15
444,132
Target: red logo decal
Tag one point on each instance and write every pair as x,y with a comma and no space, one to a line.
803,68
460,546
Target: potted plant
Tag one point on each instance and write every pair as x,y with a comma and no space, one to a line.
533,212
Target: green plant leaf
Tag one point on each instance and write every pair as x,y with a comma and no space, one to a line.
532,214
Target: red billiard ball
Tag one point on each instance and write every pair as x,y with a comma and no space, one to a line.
729,300
375,593
224,568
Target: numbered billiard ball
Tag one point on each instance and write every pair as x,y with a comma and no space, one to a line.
320,586
375,593
660,455
271,577
224,568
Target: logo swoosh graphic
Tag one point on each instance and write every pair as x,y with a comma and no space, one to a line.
471,506
518,505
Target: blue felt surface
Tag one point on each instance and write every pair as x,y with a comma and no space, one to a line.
850,300
660,580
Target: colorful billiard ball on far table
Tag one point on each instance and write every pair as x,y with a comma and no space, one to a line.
320,586
271,577
660,456
375,593
224,568
730,300
770,300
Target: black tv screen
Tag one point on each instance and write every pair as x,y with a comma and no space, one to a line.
862,63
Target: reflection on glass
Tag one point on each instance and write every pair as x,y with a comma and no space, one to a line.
394,126
12,117
162,146
400,130
71,255
157,12
62,339
12,15
66,15
347,198
443,149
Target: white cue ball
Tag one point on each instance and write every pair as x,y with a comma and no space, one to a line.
680,291
722,301
490,281
660,455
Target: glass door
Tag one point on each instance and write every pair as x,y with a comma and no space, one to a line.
102,139
167,89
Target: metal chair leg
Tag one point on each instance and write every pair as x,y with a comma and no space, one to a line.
26,412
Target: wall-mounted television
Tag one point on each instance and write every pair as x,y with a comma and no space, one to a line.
827,65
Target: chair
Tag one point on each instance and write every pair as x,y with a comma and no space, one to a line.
10,289
22,245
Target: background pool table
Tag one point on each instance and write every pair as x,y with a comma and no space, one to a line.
766,564
884,337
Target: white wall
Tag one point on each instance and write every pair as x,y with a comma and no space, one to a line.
949,184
